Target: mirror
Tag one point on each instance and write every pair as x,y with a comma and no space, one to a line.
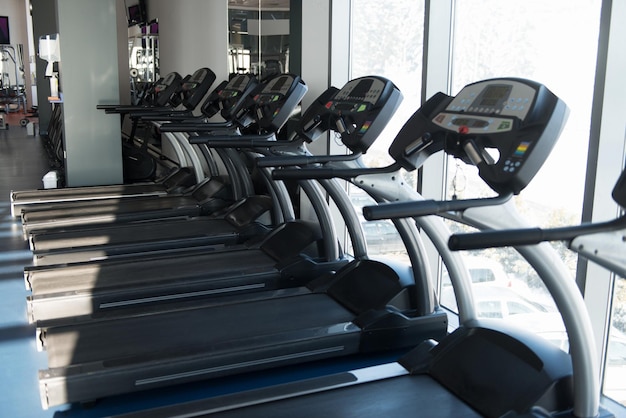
258,37
12,81
143,47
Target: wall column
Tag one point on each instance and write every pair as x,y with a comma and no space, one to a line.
88,77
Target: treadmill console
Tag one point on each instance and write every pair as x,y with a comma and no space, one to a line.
315,120
619,191
361,109
211,105
233,96
194,88
165,88
506,127
275,101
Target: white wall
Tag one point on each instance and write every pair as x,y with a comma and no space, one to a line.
192,34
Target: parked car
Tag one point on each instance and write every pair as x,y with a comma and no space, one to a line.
382,237
494,302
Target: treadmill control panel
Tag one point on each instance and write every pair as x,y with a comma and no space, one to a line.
166,87
361,109
506,127
488,109
315,121
233,96
211,105
194,89
274,102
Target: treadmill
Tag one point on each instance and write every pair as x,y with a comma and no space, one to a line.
367,306
166,88
233,225
238,224
483,368
204,198
190,94
290,255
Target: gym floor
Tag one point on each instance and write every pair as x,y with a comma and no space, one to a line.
23,163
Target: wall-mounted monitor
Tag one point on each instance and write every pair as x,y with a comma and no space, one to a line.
5,38
137,13
134,15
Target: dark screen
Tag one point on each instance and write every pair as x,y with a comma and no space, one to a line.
279,84
5,38
134,14
493,94
361,89
238,82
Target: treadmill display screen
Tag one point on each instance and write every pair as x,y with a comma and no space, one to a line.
493,96
361,89
278,85
238,82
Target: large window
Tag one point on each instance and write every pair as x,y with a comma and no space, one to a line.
387,41
552,42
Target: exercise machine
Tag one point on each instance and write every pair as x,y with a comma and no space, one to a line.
271,261
203,198
483,368
164,90
366,306
239,223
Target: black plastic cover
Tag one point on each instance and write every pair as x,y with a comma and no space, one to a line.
498,372
517,119
196,87
316,119
619,191
166,87
362,109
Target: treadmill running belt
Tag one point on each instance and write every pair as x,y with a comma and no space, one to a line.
207,330
151,271
109,208
128,233
404,396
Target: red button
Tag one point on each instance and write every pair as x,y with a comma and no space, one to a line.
463,129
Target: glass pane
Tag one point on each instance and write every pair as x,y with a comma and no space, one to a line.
615,368
554,43
387,41
258,37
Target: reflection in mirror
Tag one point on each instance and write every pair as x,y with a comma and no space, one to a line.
258,37
12,82
143,48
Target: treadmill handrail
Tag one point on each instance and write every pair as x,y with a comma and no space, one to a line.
428,207
283,161
529,236
194,127
239,141
330,172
